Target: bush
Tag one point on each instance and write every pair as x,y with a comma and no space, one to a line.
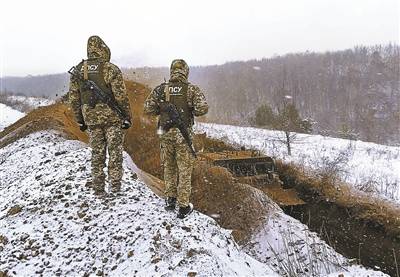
264,116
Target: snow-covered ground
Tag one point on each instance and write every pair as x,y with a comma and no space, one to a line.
291,249
370,167
32,102
8,116
61,228
64,230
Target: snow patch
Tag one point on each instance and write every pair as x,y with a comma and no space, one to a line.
8,116
32,102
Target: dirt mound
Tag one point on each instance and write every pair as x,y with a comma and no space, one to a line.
57,116
235,206
215,192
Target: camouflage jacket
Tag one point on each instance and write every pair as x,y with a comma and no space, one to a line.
195,97
101,114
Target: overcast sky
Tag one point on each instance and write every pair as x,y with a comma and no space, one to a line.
49,36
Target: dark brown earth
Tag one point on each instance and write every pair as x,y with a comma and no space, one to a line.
355,224
352,223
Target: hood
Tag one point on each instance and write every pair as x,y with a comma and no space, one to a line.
179,71
96,48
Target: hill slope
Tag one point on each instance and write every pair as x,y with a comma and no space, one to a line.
41,85
52,224
258,224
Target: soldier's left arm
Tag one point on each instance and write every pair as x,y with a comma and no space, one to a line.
197,101
75,99
151,106
113,77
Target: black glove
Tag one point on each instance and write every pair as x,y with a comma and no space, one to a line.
82,126
126,124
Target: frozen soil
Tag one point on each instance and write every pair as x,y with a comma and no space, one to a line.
52,224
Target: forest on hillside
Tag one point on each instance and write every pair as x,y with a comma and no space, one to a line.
45,86
353,93
350,93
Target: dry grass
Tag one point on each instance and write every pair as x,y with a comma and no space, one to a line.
360,205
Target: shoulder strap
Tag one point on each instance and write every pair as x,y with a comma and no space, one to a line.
166,91
85,70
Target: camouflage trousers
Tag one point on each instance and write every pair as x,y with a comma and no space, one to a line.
178,165
101,139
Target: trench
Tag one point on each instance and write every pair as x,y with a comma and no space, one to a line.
366,241
363,239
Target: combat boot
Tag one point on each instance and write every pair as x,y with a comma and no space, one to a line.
170,203
185,211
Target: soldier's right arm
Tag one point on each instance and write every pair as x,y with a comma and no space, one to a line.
75,99
198,101
151,106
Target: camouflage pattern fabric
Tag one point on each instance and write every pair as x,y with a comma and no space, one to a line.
175,154
96,48
196,101
101,139
103,123
101,114
179,71
178,165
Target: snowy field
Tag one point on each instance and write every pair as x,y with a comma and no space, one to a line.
32,102
370,167
8,116
51,224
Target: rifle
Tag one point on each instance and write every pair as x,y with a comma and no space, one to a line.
175,120
98,92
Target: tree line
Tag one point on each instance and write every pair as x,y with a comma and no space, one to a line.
45,86
352,93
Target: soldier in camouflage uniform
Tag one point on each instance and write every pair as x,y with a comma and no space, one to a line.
176,157
104,126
